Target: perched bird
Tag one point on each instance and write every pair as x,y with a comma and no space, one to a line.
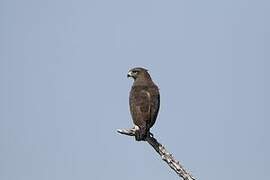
144,102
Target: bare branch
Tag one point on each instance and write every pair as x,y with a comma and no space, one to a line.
129,132
165,155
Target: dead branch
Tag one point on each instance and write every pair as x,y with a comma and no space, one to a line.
165,155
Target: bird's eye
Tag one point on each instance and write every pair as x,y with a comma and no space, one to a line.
135,72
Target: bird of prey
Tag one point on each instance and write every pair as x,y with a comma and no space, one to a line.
144,102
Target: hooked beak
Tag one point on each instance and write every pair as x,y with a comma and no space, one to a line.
129,74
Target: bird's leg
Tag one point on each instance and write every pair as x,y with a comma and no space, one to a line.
137,135
137,132
142,133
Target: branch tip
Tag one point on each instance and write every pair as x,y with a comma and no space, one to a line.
165,155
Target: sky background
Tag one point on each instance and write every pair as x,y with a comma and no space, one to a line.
64,91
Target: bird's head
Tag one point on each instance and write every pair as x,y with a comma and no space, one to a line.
137,72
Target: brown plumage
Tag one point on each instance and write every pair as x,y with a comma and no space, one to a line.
143,101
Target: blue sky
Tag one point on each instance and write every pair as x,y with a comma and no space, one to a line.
64,90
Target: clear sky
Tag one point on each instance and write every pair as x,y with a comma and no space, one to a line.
64,91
